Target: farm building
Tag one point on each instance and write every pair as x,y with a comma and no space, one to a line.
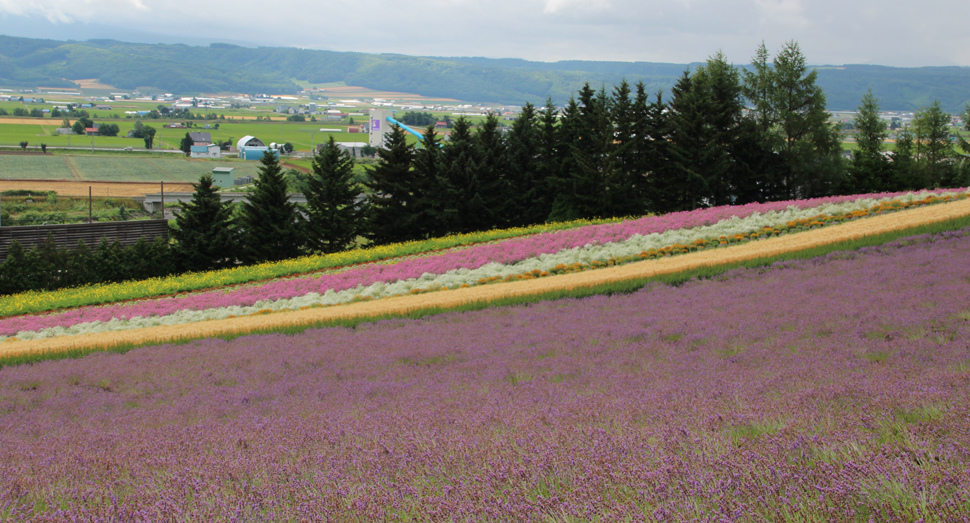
201,138
205,151
252,148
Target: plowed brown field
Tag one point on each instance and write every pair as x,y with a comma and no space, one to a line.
487,293
75,188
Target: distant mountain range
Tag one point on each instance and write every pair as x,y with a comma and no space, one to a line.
183,69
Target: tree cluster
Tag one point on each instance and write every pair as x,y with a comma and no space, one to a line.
418,119
48,267
924,157
212,234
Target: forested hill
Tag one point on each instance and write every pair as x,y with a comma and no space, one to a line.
183,69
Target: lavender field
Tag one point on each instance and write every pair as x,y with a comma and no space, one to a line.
832,389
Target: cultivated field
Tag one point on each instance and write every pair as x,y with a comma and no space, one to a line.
76,188
114,168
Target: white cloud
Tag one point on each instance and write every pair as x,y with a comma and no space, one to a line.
557,6
67,11
785,12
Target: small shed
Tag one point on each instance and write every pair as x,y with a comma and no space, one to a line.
223,176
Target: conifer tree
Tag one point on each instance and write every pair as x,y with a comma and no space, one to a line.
681,183
392,200
490,152
810,146
905,175
270,225
548,162
335,213
759,89
625,187
434,197
566,168
652,145
594,154
931,134
460,163
528,195
870,171
204,232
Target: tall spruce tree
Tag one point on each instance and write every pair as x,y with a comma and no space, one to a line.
588,162
759,86
494,189
871,171
719,91
681,183
204,231
931,134
393,201
335,212
626,182
461,165
568,132
548,162
529,201
810,146
271,227
434,196
652,145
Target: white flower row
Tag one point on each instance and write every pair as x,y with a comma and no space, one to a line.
463,276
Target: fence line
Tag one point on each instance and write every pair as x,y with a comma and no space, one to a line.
67,235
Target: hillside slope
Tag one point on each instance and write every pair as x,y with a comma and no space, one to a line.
185,69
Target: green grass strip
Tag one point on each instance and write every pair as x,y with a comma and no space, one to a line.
621,287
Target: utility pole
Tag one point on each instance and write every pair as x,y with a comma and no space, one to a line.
90,214
163,200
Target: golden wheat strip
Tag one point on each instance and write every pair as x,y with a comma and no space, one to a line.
486,293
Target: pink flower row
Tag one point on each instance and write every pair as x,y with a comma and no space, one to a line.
504,252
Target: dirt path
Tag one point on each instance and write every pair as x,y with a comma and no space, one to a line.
80,188
72,167
484,294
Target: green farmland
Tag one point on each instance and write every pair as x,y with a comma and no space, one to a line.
114,168
299,134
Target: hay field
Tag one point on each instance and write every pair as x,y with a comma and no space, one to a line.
80,188
56,122
488,293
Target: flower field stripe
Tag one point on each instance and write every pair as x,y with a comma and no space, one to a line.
33,301
416,275
485,294
560,234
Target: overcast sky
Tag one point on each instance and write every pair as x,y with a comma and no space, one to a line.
885,32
